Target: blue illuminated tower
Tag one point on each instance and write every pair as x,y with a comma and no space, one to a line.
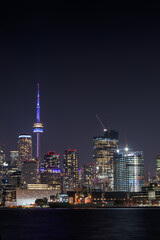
38,128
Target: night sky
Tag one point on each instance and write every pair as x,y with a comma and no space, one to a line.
89,59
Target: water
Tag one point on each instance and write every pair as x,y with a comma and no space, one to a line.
38,224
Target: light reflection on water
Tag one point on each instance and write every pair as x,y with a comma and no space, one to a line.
77,224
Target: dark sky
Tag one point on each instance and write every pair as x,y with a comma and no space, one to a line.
89,59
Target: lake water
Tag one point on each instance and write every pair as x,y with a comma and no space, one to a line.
38,224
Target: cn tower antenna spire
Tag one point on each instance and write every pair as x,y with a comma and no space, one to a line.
38,105
38,128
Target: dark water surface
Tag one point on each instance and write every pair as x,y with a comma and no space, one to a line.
77,224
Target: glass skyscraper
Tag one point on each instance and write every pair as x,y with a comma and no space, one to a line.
120,172
104,148
128,171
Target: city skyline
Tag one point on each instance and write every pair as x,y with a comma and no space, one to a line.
86,64
38,128
80,114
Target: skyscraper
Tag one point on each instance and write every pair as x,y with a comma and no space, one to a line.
104,148
2,160
51,173
128,171
14,156
51,160
88,174
38,128
24,148
52,177
29,172
120,172
135,170
70,169
158,168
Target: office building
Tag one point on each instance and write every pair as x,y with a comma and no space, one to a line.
120,171
51,160
24,149
158,168
128,171
70,169
2,154
51,177
15,179
104,148
14,158
135,170
29,172
2,162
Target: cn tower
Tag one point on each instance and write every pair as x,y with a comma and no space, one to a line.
38,128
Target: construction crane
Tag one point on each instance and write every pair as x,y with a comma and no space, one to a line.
104,128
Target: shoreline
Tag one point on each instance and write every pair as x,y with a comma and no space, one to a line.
83,207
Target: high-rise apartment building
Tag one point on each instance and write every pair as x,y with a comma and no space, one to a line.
104,148
88,174
50,173
24,149
51,160
128,171
158,168
70,169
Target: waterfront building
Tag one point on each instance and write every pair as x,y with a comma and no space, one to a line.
120,172
70,169
25,197
135,170
9,195
38,129
51,160
104,148
24,149
29,172
158,168
128,171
